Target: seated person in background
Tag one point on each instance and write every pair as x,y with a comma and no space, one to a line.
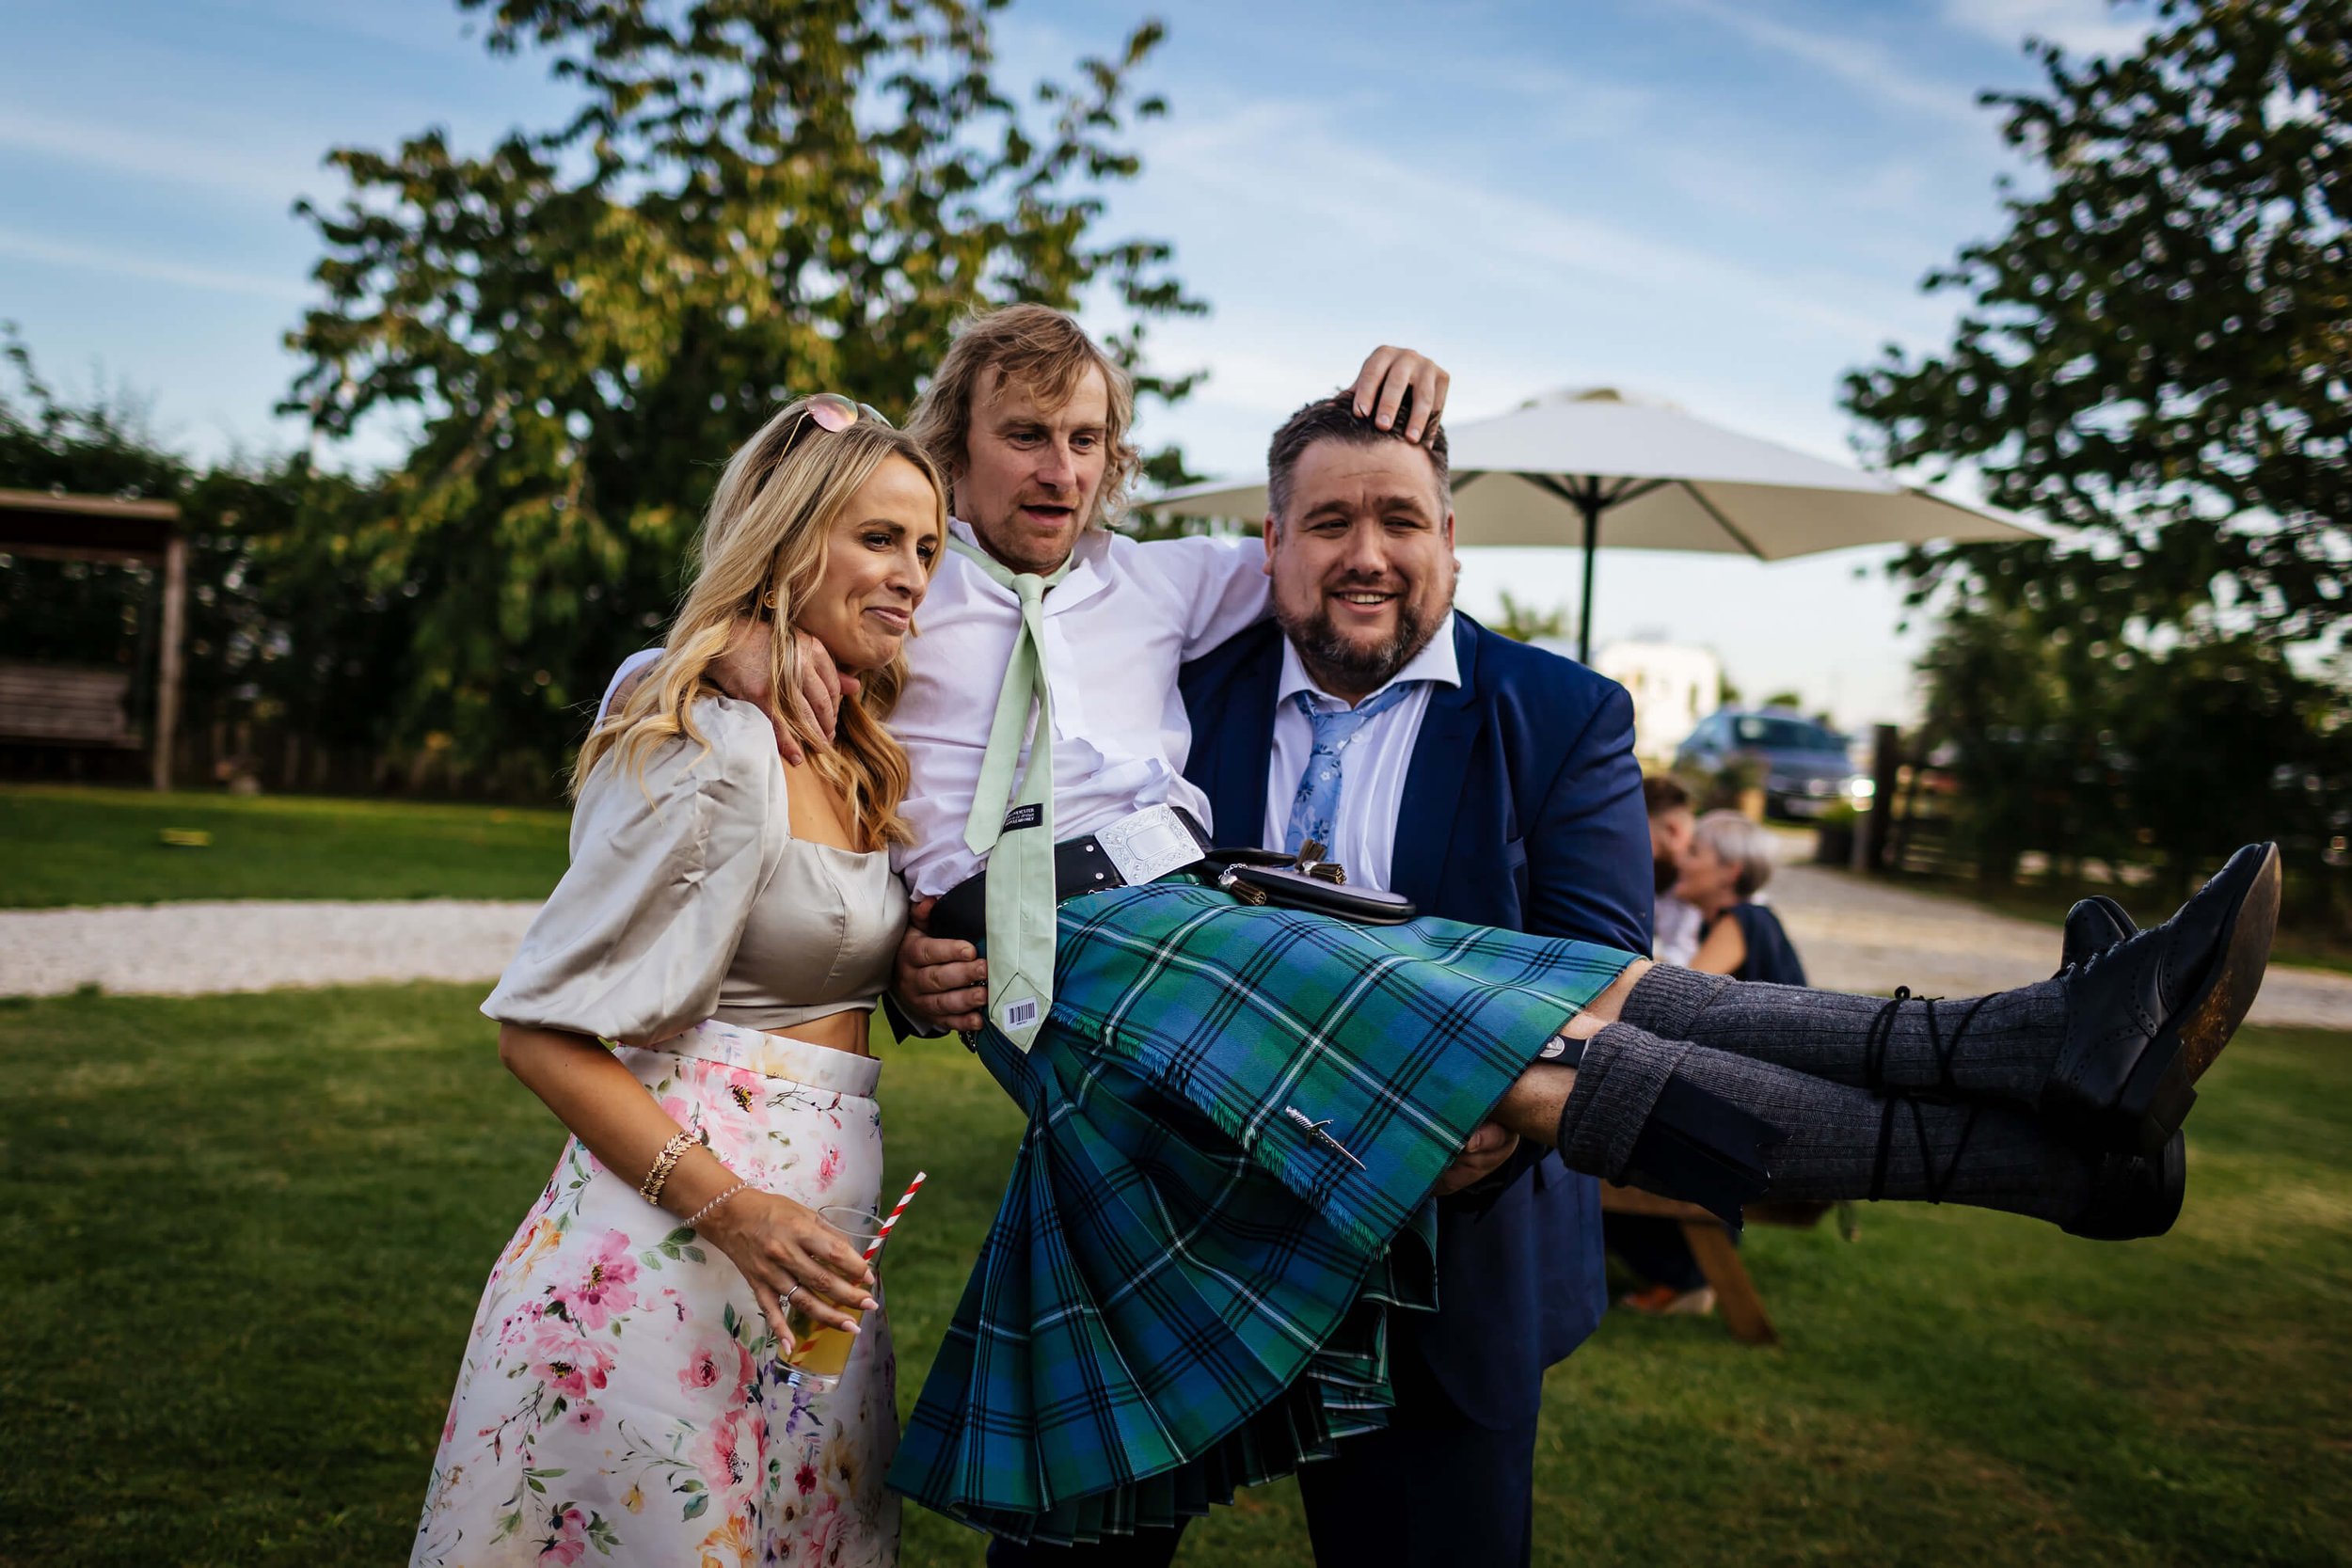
1676,924
1726,860
1730,859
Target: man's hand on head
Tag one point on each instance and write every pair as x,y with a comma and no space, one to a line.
742,672
942,984
1388,374
1489,1145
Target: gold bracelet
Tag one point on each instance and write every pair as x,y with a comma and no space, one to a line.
666,1162
709,1208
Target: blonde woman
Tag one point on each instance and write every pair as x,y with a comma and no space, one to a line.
728,922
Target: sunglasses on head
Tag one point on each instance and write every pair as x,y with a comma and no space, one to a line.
832,412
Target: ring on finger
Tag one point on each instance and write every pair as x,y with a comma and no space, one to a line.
796,1289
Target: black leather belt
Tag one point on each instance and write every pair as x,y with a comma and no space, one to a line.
1080,865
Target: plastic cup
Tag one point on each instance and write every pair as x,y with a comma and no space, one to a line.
819,1351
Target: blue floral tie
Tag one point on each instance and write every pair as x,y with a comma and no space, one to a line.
1315,809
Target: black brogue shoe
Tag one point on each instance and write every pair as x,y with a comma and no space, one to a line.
2134,1195
2092,925
2146,1016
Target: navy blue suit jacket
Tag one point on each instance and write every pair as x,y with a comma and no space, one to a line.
1522,810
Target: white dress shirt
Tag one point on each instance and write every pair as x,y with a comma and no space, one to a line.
1116,630
1372,777
1679,930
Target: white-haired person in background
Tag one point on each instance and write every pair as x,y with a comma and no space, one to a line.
1727,863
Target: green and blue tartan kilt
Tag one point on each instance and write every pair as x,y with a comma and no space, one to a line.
1185,1290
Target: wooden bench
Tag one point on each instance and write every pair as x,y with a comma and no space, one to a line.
63,705
1710,1244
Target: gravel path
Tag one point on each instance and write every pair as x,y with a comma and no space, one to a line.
194,949
1862,936
1854,936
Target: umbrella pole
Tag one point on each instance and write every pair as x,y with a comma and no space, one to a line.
1588,504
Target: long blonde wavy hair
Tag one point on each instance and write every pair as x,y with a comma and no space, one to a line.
761,554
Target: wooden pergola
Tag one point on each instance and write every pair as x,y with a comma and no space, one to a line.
78,708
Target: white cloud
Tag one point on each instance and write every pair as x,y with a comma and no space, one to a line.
1287,160
1549,103
1771,184
2078,27
274,178
1855,61
431,32
156,270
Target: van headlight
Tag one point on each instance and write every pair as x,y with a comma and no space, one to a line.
1862,790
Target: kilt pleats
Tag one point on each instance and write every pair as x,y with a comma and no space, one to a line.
1185,1290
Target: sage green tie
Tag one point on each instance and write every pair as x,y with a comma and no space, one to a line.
1018,836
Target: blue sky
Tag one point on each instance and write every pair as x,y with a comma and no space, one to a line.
1722,202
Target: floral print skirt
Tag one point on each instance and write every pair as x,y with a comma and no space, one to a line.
621,1400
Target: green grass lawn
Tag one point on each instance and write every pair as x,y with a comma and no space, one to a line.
68,845
249,1233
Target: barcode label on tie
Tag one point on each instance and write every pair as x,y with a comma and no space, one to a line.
1020,1013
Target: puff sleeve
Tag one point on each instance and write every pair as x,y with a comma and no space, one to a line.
635,941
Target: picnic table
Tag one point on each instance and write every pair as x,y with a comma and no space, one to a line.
1736,1294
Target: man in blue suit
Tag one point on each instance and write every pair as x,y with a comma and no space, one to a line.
1487,781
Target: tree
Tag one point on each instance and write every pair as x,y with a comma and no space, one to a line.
1524,622
755,198
2032,753
2135,756
2156,353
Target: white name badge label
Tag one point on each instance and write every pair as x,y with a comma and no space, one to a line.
1148,845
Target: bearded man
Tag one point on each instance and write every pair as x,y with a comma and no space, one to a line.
1488,782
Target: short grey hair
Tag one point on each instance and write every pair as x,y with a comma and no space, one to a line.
1736,840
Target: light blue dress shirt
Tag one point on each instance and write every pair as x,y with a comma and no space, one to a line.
1364,831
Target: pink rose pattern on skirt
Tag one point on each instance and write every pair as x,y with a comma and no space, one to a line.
620,1401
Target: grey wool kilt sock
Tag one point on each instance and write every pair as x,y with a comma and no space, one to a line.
1839,1142
2000,1045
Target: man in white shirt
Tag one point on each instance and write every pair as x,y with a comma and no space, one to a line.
1041,460
1671,821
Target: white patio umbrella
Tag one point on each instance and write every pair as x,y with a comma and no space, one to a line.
1596,468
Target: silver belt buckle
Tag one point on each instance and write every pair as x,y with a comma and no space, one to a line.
1148,845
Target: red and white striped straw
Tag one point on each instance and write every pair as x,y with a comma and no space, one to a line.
900,1207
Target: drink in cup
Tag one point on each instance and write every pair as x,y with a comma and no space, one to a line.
819,1351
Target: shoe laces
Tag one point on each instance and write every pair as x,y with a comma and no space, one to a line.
1881,1035
1876,1039
1875,1043
2114,952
